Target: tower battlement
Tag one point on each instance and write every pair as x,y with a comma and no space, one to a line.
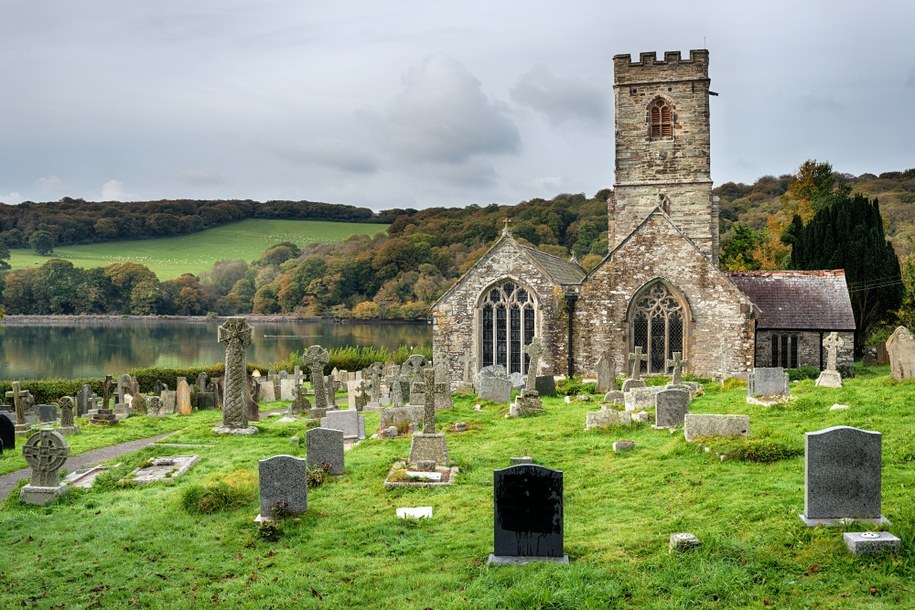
671,67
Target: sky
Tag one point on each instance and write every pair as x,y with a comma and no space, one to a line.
406,103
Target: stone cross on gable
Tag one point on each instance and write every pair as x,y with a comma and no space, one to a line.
237,336
535,351
429,402
677,363
833,344
637,359
17,394
315,357
46,452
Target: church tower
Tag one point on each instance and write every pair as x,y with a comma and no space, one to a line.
662,147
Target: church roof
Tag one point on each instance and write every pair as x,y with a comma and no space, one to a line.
561,270
801,300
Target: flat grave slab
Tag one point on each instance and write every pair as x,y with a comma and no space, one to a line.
415,512
399,476
166,468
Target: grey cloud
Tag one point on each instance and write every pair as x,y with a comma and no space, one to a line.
335,155
442,115
561,100
817,102
201,177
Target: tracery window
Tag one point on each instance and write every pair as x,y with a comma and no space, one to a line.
507,323
657,327
784,351
660,120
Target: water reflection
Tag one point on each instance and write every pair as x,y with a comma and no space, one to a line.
95,348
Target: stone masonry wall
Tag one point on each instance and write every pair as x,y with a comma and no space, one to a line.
720,330
808,348
678,167
455,319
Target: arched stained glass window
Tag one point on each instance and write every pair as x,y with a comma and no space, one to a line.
660,120
507,324
657,327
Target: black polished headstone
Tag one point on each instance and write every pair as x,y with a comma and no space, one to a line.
528,513
7,432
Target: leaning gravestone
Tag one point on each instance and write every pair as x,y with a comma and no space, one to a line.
605,373
237,335
324,449
283,487
901,349
527,515
842,468
46,452
670,408
768,381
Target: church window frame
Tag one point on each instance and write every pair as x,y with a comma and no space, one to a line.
661,119
783,349
508,316
658,323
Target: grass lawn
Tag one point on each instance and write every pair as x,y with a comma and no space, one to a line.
120,546
169,257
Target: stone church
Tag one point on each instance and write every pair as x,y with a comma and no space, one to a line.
659,286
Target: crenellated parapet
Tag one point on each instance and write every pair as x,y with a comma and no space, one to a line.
671,67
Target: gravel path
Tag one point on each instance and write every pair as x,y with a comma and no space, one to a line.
83,460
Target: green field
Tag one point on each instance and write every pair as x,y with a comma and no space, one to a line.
171,256
193,544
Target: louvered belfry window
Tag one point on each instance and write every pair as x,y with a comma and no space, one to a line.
661,120
507,325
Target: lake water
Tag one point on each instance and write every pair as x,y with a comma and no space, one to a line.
99,347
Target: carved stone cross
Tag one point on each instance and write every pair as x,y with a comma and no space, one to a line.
535,350
46,452
17,395
236,335
429,402
376,370
637,359
315,358
413,366
66,405
677,363
833,344
393,382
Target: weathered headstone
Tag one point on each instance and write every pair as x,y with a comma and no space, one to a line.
527,515
206,401
324,447
607,417
606,373
19,396
7,434
283,487
315,358
871,543
67,407
330,386
702,424
830,377
842,476
82,400
492,386
159,387
901,350
401,417
677,368
635,374
535,351
265,390
427,445
201,382
154,406
45,452
107,386
236,335
670,408
545,385
169,399
393,382
349,421
287,385
768,381
47,414
164,468
183,397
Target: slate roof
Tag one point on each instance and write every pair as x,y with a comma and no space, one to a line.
561,270
801,300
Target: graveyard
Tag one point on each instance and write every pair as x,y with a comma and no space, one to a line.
191,540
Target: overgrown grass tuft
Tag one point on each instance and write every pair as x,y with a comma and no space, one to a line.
222,493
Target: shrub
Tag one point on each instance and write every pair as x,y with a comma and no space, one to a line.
803,372
227,492
762,450
316,476
733,383
573,386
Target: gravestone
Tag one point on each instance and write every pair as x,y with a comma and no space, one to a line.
82,400
201,382
206,401
545,385
528,401
283,487
300,403
107,386
640,398
493,384
607,417
19,397
47,414
287,386
165,468
103,417
396,392
169,399
324,447
527,515
67,408
768,381
428,445
315,358
830,377
216,389
677,373
535,351
265,391
140,404
376,371
670,408
606,373
871,543
159,387
842,470
702,424
635,374
401,417
236,335
45,452
330,386
900,348
251,402
469,364
154,406
349,421
183,397
7,434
